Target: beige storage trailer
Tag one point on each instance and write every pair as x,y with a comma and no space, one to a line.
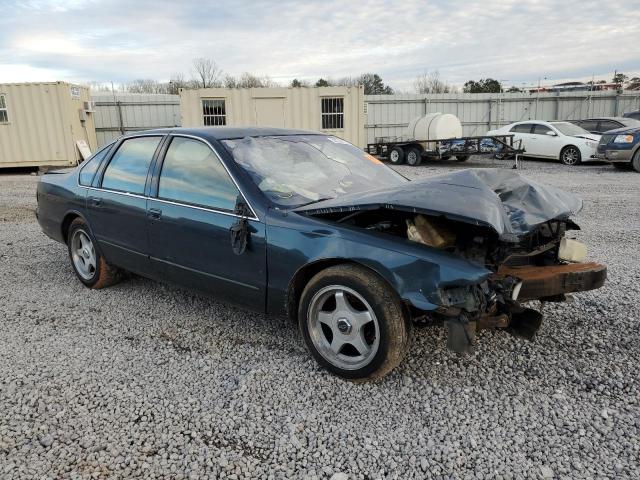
42,123
337,111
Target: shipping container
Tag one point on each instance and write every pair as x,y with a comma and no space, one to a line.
42,123
336,111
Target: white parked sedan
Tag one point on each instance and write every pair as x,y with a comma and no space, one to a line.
565,141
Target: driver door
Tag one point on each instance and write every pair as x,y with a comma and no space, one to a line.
546,145
190,214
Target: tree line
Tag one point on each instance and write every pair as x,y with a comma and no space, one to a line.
206,73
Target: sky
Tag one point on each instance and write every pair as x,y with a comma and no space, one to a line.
518,42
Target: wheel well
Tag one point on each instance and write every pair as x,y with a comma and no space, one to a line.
568,146
307,272
302,277
66,223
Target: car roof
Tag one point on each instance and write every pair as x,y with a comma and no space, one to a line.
227,133
617,119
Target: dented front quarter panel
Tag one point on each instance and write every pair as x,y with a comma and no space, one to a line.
417,272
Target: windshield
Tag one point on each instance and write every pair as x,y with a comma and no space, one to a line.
569,129
294,170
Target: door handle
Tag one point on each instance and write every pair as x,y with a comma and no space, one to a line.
154,213
95,201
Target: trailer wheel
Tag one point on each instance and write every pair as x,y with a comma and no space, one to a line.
414,157
462,158
396,156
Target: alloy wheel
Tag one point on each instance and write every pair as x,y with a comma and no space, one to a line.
343,327
83,254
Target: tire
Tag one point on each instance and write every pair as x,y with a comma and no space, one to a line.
570,156
353,323
622,166
87,261
396,156
635,163
414,157
462,158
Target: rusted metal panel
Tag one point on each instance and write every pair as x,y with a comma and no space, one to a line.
43,123
548,281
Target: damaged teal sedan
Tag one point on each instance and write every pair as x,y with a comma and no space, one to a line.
303,224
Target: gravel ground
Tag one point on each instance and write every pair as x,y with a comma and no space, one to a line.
145,380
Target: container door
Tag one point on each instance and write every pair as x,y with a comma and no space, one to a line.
269,112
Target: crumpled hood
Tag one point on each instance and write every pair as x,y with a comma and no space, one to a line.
500,199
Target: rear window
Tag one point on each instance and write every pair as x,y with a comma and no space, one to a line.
90,167
522,128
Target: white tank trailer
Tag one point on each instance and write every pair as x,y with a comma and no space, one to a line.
439,136
434,126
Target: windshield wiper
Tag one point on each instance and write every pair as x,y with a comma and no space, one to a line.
315,201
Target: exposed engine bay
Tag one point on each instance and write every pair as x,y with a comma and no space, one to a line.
544,264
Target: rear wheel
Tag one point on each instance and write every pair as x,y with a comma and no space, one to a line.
462,158
88,263
570,156
396,156
353,323
414,157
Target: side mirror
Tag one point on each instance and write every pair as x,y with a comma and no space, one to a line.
552,134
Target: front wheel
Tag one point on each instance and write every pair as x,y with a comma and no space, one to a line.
570,156
88,263
462,158
353,323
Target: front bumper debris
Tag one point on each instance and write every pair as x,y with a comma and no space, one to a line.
549,281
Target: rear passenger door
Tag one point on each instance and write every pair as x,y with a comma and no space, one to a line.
190,214
117,203
522,132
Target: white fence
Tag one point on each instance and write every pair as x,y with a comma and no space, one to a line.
389,115
123,113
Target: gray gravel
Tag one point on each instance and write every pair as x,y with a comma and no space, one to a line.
150,381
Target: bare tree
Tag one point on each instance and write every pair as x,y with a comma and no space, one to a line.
206,73
249,80
176,82
430,82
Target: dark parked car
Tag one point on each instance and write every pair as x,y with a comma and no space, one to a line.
621,147
635,115
307,225
604,124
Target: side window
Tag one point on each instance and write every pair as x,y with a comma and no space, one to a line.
192,173
214,112
4,111
541,129
90,167
522,128
589,125
332,111
127,170
606,125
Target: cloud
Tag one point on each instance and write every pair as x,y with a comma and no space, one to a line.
516,41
